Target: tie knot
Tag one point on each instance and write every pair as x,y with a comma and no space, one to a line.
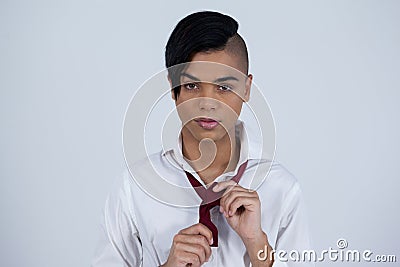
210,199
209,196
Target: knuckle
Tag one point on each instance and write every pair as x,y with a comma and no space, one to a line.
178,245
202,228
176,238
197,239
202,239
199,249
195,259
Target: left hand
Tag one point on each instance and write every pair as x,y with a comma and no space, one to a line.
241,208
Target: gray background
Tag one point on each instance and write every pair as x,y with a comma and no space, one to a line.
330,70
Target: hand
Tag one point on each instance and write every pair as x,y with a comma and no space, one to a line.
242,209
190,247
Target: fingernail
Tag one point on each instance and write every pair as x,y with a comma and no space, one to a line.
212,241
215,188
221,209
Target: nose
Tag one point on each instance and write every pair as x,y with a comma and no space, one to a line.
207,99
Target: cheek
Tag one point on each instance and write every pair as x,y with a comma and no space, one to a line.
233,106
185,110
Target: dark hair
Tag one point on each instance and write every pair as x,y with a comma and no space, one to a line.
201,32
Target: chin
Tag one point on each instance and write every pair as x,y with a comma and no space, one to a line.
213,135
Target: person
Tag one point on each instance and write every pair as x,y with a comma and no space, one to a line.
214,156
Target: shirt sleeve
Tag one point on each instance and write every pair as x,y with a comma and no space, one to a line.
293,234
119,244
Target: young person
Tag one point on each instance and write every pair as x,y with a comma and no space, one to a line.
231,225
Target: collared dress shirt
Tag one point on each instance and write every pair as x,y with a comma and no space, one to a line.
138,228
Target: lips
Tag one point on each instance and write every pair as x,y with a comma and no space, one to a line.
207,123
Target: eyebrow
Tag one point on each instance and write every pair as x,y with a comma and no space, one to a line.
222,79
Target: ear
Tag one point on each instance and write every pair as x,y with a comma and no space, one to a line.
247,88
170,86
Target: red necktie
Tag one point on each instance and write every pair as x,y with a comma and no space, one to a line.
210,199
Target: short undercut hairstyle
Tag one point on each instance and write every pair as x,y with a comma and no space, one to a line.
205,31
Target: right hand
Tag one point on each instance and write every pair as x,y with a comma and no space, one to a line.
190,247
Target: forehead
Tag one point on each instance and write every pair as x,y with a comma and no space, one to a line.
211,71
221,57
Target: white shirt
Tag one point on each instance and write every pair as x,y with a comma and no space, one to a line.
138,229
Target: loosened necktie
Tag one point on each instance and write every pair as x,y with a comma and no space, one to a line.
210,199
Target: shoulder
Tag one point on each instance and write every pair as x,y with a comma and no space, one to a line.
281,175
123,182
279,181
147,161
144,167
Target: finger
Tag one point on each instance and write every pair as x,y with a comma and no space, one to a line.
186,258
249,204
228,193
197,241
236,188
224,185
192,248
200,229
226,201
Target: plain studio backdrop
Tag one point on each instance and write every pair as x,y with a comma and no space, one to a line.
329,69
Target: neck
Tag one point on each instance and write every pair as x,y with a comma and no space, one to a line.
217,158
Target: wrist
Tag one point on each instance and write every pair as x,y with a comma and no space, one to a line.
259,250
257,237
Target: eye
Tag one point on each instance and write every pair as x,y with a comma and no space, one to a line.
190,86
225,88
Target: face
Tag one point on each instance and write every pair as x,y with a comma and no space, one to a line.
213,89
